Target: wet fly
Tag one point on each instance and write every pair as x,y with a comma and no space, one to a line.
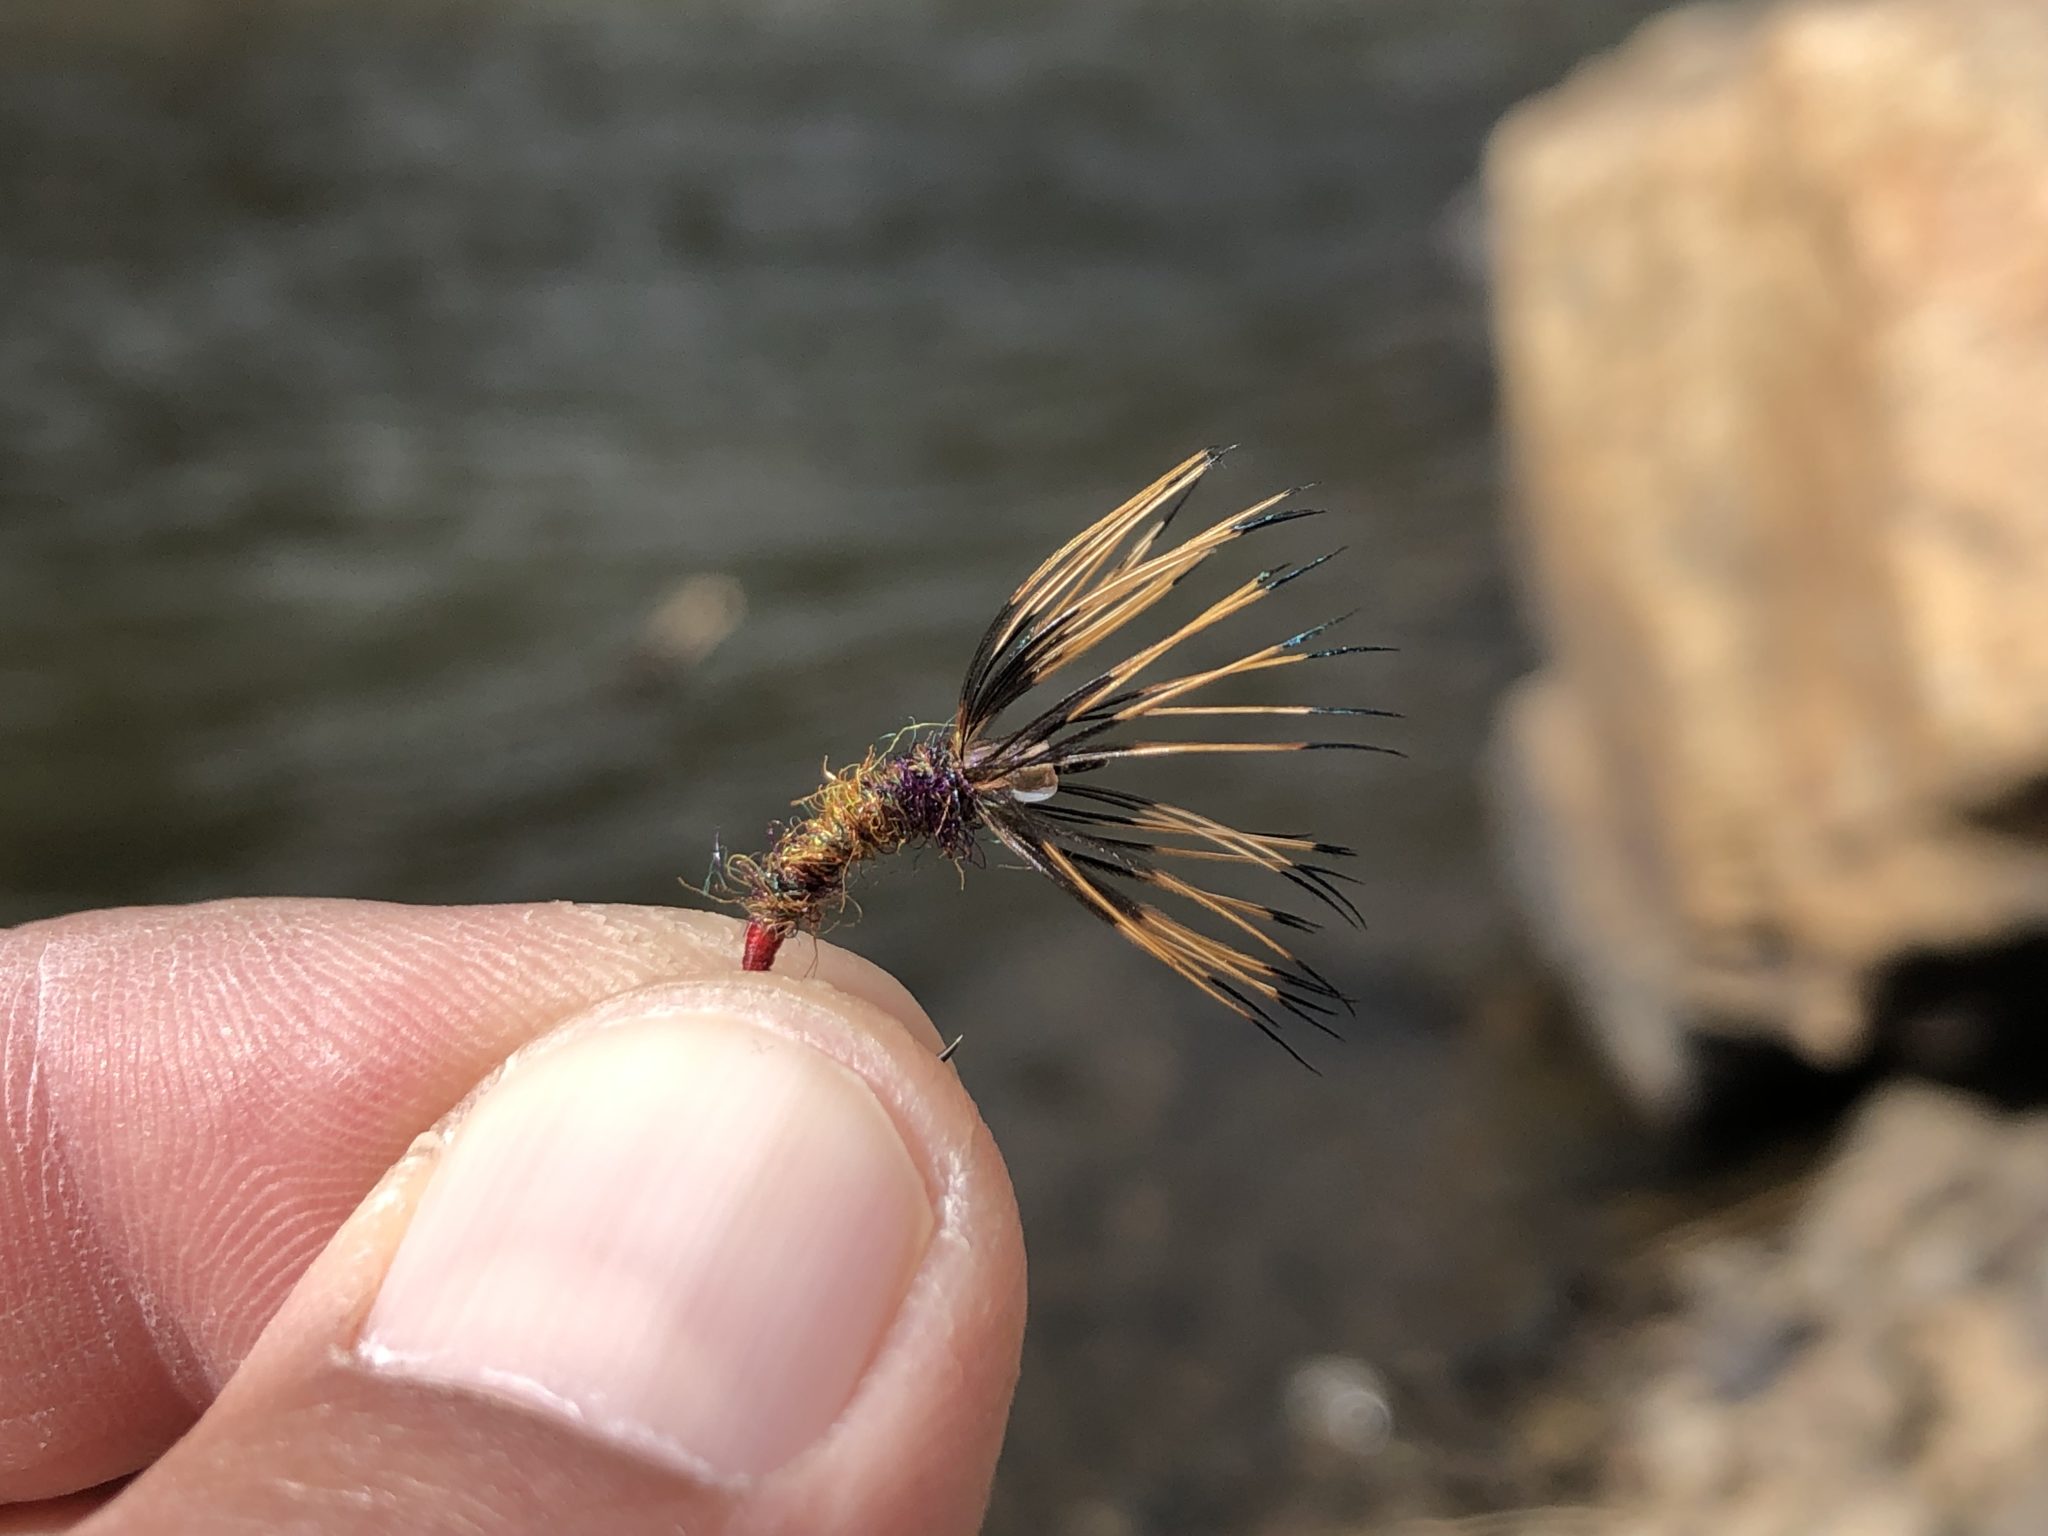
1035,788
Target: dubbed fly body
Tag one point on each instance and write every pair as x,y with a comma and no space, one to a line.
1032,788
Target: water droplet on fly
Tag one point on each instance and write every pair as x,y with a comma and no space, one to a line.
1034,782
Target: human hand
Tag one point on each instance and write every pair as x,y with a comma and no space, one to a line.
714,1252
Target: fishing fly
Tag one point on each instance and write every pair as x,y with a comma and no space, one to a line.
1033,788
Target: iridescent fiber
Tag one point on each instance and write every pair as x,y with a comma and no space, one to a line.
880,805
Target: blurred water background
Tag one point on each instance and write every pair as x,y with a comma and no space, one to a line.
371,379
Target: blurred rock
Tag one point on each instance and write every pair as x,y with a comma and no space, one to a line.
1340,1404
694,617
2023,1513
1869,1361
1910,1398
1772,307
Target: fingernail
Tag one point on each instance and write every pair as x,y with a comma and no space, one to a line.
686,1235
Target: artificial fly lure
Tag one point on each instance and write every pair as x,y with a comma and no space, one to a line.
1031,788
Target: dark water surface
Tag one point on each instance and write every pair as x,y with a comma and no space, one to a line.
368,381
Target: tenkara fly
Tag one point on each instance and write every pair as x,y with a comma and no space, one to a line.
1033,788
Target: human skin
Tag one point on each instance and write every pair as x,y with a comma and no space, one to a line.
329,1217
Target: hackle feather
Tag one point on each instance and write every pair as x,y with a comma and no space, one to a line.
1109,849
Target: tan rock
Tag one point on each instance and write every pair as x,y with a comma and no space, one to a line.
1913,1399
1990,1403
1772,306
1911,1154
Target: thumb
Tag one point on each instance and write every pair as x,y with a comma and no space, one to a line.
726,1255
